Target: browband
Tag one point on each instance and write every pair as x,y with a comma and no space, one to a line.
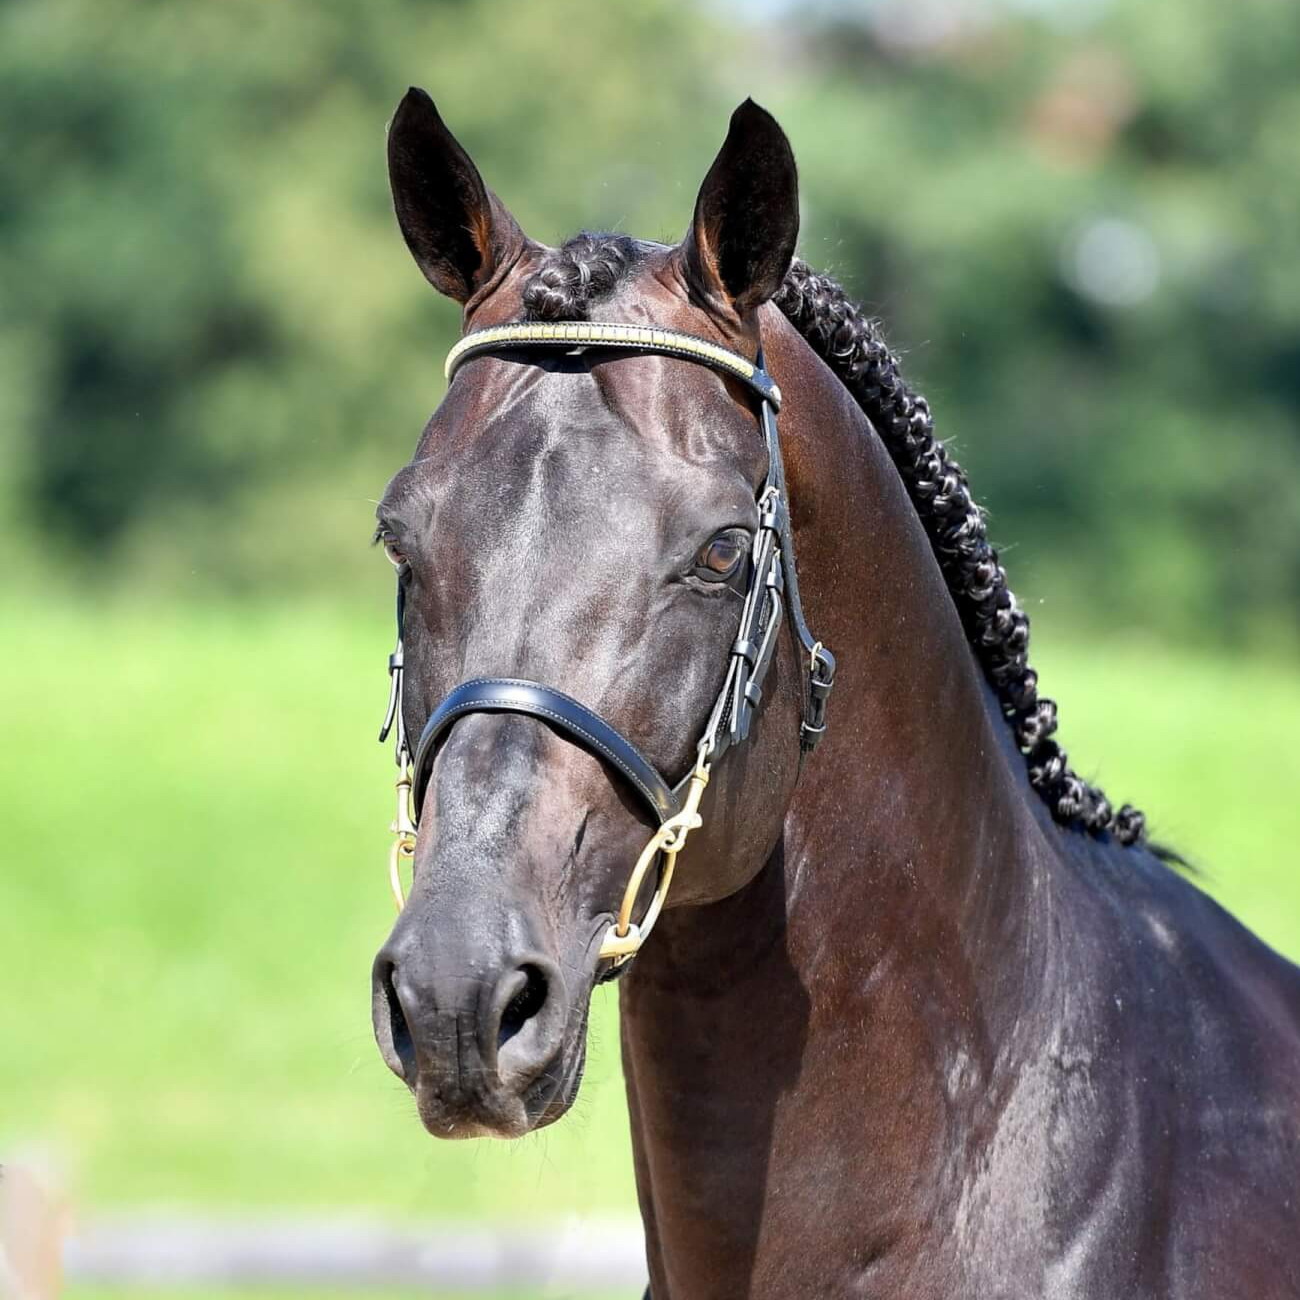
590,730
567,335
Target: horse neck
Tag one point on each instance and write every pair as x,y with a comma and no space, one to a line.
915,811
894,935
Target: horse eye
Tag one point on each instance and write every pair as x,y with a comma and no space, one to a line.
722,556
396,556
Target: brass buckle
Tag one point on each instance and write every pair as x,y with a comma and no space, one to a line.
624,935
403,827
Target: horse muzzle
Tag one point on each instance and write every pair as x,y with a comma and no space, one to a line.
488,1045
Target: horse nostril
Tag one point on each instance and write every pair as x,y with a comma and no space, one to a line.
524,1005
391,1028
525,1019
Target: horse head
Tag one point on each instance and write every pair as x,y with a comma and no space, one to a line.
590,519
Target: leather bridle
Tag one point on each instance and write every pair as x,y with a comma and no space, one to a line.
773,588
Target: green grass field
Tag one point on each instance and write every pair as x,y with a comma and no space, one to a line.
195,816
195,813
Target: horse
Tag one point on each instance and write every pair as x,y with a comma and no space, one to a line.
923,1014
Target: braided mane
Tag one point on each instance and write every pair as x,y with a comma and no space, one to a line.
590,265
998,629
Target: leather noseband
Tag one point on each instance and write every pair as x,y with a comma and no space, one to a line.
590,730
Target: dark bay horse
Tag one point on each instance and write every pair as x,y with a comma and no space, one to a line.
924,1016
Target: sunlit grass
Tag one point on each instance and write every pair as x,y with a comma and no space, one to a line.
1206,746
194,810
195,815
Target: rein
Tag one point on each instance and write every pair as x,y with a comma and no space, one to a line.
773,589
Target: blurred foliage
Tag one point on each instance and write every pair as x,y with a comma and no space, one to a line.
1086,227
1079,220
213,344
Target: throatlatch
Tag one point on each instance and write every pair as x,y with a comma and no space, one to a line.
773,590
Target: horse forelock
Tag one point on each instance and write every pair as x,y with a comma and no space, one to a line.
580,272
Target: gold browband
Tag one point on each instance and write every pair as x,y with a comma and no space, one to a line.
568,335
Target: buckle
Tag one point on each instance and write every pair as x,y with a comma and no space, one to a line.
821,677
821,666
772,514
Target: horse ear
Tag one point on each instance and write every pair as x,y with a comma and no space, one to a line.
746,222
458,231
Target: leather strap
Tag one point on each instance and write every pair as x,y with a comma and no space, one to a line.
589,729
820,675
396,670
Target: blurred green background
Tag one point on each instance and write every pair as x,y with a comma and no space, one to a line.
1081,223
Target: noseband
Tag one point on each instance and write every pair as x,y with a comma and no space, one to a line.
773,588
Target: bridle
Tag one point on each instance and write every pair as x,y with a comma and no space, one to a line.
773,587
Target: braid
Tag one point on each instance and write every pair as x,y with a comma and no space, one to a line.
997,627
589,266
584,270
